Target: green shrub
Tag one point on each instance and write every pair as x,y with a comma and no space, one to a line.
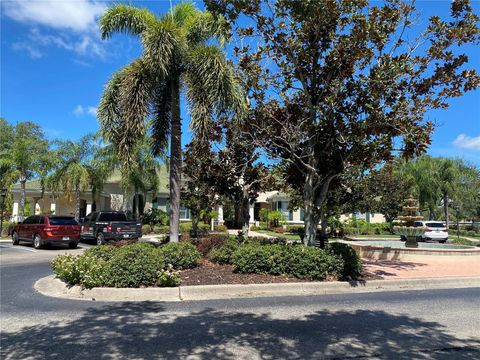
134,265
223,254
65,268
352,264
168,277
157,229
298,261
275,218
147,229
155,217
104,252
181,255
92,271
462,241
253,258
220,228
207,244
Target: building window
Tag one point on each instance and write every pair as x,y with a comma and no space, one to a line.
282,206
302,214
184,213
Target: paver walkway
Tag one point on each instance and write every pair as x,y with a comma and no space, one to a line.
392,269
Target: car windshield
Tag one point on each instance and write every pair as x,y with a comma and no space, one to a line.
435,225
62,221
112,217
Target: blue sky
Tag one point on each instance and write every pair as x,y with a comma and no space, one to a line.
54,66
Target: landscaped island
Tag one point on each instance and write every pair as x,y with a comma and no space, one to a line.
144,265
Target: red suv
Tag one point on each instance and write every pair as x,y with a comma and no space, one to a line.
41,230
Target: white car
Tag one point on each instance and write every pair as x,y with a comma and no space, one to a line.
435,230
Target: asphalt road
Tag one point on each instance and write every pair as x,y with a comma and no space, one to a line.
434,324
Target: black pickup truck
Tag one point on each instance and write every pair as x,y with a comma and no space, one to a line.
104,226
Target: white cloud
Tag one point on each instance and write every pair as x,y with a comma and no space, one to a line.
467,142
82,110
84,45
76,15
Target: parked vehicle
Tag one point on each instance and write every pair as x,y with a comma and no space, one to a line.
104,226
44,230
435,230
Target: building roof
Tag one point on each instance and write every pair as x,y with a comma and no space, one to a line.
115,177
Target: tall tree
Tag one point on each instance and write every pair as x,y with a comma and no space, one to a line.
181,50
23,156
336,83
74,173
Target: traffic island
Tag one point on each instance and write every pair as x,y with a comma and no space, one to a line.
51,286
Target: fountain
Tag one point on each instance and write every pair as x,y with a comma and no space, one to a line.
409,232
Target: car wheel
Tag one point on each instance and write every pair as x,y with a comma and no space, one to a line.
73,245
15,239
37,242
100,239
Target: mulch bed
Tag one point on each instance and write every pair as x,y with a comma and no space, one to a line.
208,273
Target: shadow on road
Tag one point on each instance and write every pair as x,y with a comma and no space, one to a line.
141,331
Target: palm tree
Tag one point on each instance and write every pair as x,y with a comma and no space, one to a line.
21,159
75,172
181,50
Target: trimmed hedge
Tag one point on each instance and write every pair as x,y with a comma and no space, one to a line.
223,254
181,255
352,263
299,261
133,265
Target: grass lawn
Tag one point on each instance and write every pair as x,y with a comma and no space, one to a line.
274,234
375,236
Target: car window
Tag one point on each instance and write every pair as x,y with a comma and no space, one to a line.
28,220
112,217
41,220
435,225
418,223
62,221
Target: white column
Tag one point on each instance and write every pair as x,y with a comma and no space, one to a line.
89,207
15,212
33,206
252,213
220,215
53,207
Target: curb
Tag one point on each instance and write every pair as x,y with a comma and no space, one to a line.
51,286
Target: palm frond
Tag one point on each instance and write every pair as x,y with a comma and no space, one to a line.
160,43
162,118
205,26
108,111
126,19
211,88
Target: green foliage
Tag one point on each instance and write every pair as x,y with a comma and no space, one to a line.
157,229
155,217
207,244
263,214
275,218
298,261
133,265
223,254
220,228
181,255
104,252
147,229
462,241
361,227
352,264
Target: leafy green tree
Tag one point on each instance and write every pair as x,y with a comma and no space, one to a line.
337,84
385,192
22,156
181,50
74,173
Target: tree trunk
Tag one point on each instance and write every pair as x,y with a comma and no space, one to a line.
323,230
77,204
445,209
245,214
137,205
21,205
311,219
175,160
